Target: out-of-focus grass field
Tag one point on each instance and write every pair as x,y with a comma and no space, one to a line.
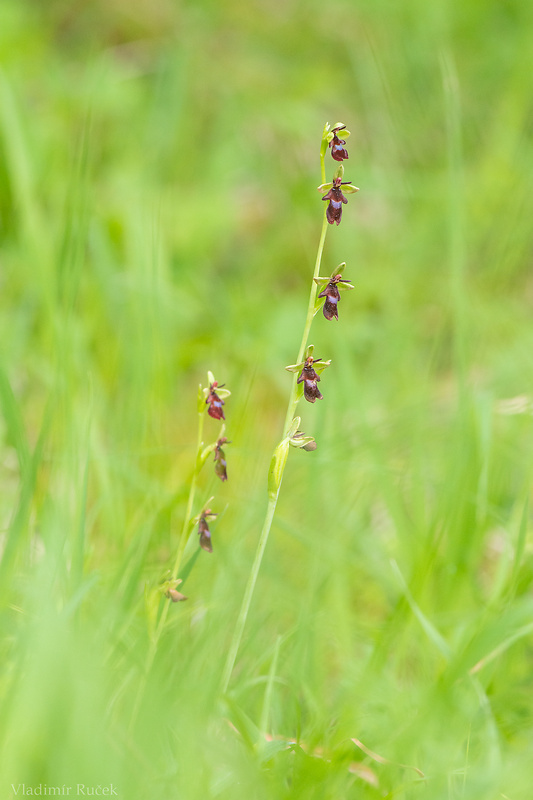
159,218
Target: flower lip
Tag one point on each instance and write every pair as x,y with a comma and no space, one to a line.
309,377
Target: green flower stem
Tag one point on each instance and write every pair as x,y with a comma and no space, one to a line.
250,586
280,457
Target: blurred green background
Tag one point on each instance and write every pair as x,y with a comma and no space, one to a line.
158,218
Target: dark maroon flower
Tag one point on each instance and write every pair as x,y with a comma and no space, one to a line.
333,296
203,530
215,409
310,380
338,152
336,199
220,459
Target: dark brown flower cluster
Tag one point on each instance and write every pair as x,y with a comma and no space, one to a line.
329,288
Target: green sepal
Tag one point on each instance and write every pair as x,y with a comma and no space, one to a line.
294,368
277,465
331,132
219,390
324,187
320,366
323,282
349,188
339,172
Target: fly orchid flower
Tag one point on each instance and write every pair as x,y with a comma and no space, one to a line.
213,397
204,533
308,374
220,459
331,292
338,152
335,195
